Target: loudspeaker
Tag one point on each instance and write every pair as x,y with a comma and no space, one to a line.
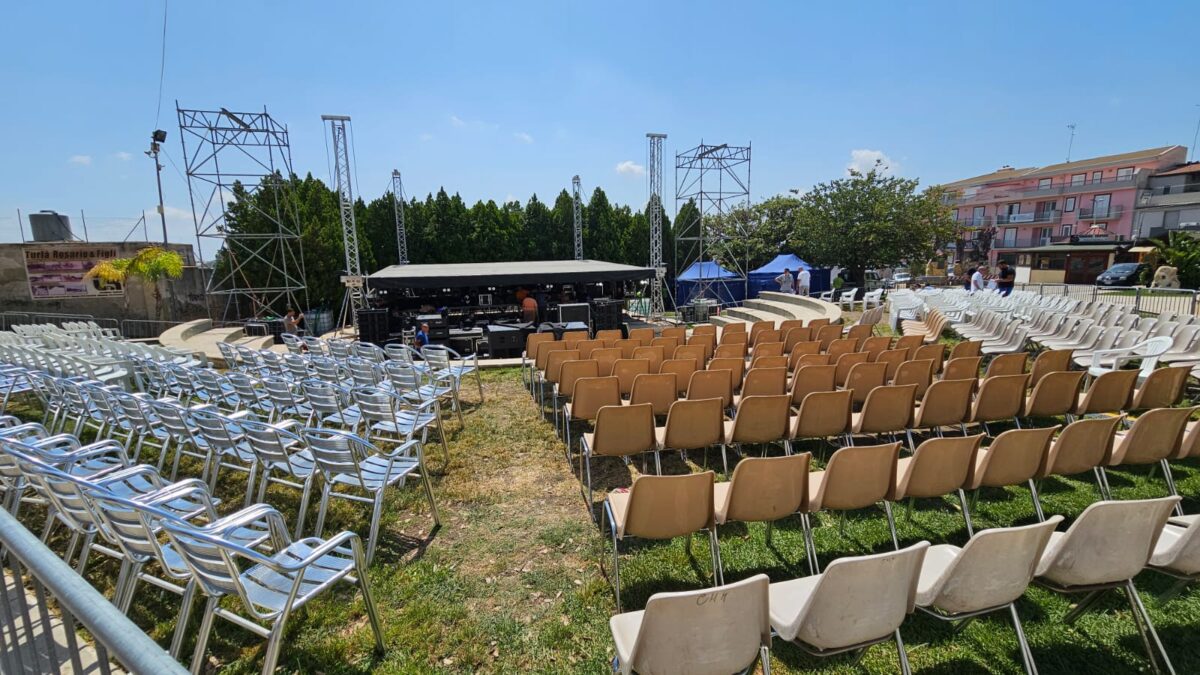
372,326
504,341
575,312
606,314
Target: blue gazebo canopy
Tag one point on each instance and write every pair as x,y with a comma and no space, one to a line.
783,261
705,270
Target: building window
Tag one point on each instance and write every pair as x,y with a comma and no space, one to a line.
1044,184
1067,230
1097,176
1078,179
1010,236
1125,173
955,215
1100,206
1070,205
977,215
1046,235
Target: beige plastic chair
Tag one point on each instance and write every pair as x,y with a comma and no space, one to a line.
668,344
769,360
693,352
758,327
677,332
935,352
817,324
1084,445
1001,397
735,367
841,346
887,410
627,347
759,420
627,370
763,382
1105,548
574,337
704,329
874,346
1006,364
918,372
586,347
766,337
709,632
1162,388
801,348
794,336
763,490
609,337
822,414
1177,552
1054,395
642,335
909,343
965,349
789,324
529,356
1109,393
662,507
893,358
987,575
827,334
569,373
655,355
711,384
962,368
682,369
858,602
946,404
860,332
938,467
605,358
1049,361
854,478
843,365
812,378
692,425
1014,457
1155,436
542,361
739,338
660,390
620,431
797,361
863,378
591,394
706,341
554,362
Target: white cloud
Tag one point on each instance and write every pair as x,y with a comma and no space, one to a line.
80,160
123,156
523,137
864,160
631,168
457,121
425,137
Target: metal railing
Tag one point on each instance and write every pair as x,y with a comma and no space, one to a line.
1111,212
39,636
1173,189
1059,187
1028,241
1028,218
1140,299
130,329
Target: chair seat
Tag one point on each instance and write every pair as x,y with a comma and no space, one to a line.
625,628
937,560
1171,534
375,472
268,589
618,502
720,494
1056,539
814,484
789,595
299,464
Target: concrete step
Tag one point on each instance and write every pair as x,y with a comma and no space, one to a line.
751,314
781,310
725,319
185,330
805,307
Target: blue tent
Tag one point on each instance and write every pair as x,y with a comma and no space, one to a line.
723,285
763,278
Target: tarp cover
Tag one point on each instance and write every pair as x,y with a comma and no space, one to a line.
463,275
705,270
788,261
710,280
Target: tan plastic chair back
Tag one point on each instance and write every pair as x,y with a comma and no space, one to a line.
767,336
935,352
734,337
574,337
770,349
1049,361
665,507
1162,388
605,358
809,347
798,360
874,346
609,337
864,377
962,368
642,335
860,332
706,341
711,384
893,358
655,355
677,332
704,329
993,569
1055,394
573,371
841,346
693,352
682,368
946,403
692,425
1001,397
822,414
1155,435
593,393
1190,447
827,334
1013,458
533,340
763,489
812,378
734,327
761,419
1082,445
668,344
765,382
586,347
714,630
769,360
918,372
858,476
627,347
1109,542
789,324
817,324
736,368
887,409
543,353
909,343
844,363
940,466
792,336
1006,364
556,359
758,327
966,348
623,430
627,370
736,350
658,389
1109,393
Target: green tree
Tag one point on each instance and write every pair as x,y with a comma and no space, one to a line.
149,265
1180,250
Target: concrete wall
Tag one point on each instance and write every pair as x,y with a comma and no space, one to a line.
186,294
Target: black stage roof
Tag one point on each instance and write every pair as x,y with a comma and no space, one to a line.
462,275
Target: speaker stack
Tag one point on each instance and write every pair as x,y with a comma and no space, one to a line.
373,326
606,314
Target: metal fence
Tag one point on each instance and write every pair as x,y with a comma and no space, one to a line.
1139,299
130,329
43,603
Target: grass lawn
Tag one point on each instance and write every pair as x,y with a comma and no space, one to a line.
512,582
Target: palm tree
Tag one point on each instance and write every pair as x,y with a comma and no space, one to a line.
149,265
1180,250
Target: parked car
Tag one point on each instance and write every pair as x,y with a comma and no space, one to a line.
902,278
1122,274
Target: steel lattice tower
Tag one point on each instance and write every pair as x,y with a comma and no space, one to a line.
655,213
354,281
398,206
243,158
577,199
716,179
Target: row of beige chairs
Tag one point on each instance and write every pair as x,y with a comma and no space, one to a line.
858,602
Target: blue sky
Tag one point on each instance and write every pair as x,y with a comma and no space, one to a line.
503,100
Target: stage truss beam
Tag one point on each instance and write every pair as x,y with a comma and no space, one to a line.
716,178
356,297
577,206
654,170
398,207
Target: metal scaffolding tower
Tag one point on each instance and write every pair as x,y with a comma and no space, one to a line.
716,179
354,281
398,207
577,200
655,213
244,159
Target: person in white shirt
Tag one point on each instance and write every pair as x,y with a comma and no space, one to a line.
785,281
977,279
805,278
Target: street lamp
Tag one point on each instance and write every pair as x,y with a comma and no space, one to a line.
156,140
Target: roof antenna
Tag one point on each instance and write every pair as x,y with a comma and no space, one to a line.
1071,142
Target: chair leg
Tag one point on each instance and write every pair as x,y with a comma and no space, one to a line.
181,621
715,548
1101,482
887,506
810,549
1037,501
369,603
966,512
724,460
210,613
616,553
904,667
1026,652
1170,478
1139,609
274,644
322,510
1084,604
305,494
764,658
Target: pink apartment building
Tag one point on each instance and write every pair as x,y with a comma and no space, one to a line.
1060,223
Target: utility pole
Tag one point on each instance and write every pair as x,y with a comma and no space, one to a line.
356,297
398,207
578,207
1070,143
156,140
1195,135
657,309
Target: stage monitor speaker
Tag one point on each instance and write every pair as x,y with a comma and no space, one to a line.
606,314
575,312
504,341
373,326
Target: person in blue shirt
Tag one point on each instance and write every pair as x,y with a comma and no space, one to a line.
422,337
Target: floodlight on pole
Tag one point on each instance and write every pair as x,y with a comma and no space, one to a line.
157,138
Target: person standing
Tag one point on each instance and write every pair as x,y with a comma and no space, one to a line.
1006,278
422,336
805,279
977,279
529,309
786,281
293,322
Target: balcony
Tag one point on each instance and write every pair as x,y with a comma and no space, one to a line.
974,222
1029,218
1028,240
1088,184
1093,214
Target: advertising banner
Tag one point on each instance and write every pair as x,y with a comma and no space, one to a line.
57,271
